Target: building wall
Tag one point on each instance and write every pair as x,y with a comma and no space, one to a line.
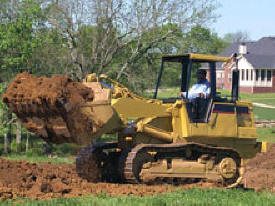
227,77
266,89
246,89
220,79
248,83
247,73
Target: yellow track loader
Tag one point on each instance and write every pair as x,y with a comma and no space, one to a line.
174,137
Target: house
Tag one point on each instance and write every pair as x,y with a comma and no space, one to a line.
256,63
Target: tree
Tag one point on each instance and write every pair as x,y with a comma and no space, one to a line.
202,40
20,23
18,36
237,37
115,25
5,123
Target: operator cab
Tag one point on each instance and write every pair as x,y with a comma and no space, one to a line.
180,71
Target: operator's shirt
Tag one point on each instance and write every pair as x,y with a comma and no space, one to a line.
196,89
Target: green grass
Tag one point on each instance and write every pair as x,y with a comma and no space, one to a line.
266,134
163,93
270,102
38,159
257,96
264,113
244,96
192,197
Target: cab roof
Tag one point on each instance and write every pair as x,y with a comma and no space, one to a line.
195,57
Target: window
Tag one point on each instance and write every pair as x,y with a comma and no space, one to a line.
251,75
262,75
242,74
257,74
268,76
247,75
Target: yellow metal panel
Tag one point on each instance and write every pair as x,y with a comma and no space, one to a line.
137,108
247,132
209,58
184,122
265,146
222,125
180,121
199,129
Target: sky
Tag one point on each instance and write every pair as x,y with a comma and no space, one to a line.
256,17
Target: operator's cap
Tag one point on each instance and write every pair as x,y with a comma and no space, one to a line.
201,71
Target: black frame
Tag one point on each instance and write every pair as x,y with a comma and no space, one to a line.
186,62
186,73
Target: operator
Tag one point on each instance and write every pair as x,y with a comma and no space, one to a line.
199,90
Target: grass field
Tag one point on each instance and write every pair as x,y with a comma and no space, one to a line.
211,197
38,159
266,134
270,102
262,113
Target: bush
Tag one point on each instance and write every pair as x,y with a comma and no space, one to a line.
13,146
65,149
34,152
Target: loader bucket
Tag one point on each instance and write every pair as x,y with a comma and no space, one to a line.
59,109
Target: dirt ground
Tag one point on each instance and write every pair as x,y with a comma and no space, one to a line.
260,171
49,180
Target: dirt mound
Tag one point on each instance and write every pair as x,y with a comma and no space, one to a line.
260,171
51,107
46,180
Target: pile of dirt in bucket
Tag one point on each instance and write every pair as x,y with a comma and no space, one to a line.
51,107
260,171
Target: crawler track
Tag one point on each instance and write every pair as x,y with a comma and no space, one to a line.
139,155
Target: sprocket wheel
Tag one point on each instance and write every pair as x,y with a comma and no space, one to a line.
228,169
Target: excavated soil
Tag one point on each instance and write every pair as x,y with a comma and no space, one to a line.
260,171
46,180
51,107
49,180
